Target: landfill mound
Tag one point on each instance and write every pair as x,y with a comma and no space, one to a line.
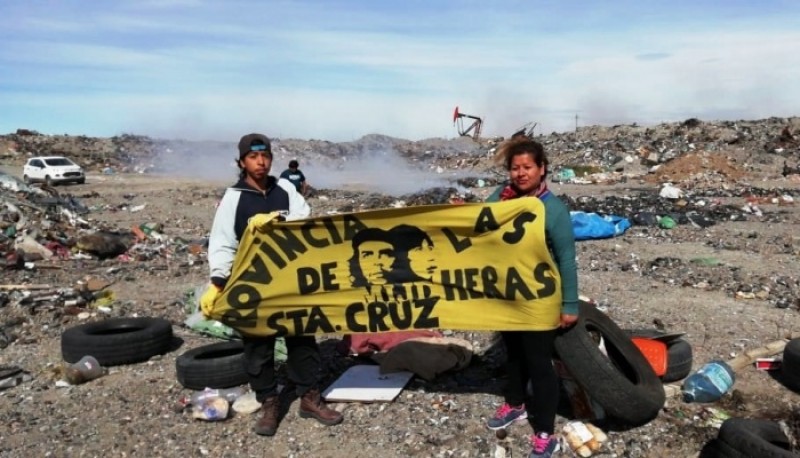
758,149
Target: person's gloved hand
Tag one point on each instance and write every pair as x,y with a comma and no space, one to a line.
262,221
208,298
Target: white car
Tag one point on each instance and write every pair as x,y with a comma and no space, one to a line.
52,170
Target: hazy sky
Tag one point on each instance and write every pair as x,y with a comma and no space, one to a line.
337,70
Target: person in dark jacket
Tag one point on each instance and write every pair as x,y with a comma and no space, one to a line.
296,176
257,192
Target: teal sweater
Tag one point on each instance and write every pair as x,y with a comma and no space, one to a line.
561,243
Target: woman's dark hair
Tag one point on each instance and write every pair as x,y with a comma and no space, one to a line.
519,146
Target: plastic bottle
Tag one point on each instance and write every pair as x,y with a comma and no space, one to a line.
709,383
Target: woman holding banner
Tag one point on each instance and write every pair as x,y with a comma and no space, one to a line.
530,352
254,196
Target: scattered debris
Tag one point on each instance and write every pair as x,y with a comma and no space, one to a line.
732,234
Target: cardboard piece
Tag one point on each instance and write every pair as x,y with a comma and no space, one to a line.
365,383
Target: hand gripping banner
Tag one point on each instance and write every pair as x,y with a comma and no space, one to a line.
467,267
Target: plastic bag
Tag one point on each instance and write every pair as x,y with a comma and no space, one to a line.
564,175
589,226
199,323
213,408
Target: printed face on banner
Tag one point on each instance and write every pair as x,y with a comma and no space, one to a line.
376,259
402,254
422,261
415,255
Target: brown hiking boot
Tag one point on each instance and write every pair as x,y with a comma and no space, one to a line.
268,423
312,406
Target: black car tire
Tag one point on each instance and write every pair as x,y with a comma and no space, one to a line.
679,354
790,366
218,365
117,341
756,438
622,383
715,448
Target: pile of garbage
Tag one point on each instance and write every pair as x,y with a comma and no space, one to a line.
698,207
615,148
42,229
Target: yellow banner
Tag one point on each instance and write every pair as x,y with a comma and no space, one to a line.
468,267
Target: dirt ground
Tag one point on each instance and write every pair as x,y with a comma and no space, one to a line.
130,411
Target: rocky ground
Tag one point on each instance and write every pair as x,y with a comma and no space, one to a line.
727,275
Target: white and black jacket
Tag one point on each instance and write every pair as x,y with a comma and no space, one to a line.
237,206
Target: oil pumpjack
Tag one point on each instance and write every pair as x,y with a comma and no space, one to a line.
474,129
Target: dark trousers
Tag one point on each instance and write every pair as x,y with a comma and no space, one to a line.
303,363
530,358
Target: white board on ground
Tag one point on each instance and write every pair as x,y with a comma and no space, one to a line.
365,383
